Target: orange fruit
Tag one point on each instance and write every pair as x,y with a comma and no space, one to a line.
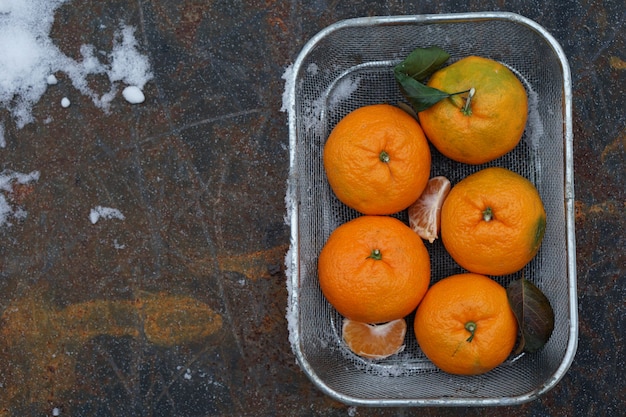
465,325
374,269
481,128
493,222
425,213
374,341
377,159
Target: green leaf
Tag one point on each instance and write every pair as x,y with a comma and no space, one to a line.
420,95
422,62
534,314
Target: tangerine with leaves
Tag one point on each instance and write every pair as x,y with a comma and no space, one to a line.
493,222
374,341
374,269
465,325
377,159
485,115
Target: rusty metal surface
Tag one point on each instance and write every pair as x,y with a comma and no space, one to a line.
179,309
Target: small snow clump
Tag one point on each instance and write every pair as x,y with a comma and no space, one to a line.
104,212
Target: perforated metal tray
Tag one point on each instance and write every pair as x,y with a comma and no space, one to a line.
348,65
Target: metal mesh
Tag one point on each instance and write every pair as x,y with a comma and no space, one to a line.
351,66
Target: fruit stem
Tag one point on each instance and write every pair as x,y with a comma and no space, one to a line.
470,326
467,109
376,255
487,214
384,156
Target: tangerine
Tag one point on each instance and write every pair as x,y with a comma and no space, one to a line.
425,213
493,222
465,325
374,341
485,122
374,269
377,159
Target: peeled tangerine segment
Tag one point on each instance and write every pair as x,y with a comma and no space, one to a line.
425,213
374,341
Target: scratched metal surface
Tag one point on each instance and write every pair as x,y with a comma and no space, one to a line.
179,310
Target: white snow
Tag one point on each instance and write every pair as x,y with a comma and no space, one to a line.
29,59
291,313
291,267
312,69
292,308
343,90
56,412
3,142
104,212
534,126
312,114
128,64
7,179
133,94
288,77
5,210
65,102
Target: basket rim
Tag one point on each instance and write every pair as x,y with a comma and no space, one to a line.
292,257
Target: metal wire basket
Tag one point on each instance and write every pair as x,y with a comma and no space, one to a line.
348,65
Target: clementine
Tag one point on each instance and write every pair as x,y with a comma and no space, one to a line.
374,341
465,325
493,222
485,122
377,159
374,269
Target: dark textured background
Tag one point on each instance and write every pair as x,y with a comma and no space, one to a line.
199,170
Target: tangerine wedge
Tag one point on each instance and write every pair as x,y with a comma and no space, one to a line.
425,213
374,341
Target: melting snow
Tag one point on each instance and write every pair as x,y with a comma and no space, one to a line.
30,62
7,181
105,213
343,90
288,77
29,59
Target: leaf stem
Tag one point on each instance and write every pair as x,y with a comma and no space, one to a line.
461,92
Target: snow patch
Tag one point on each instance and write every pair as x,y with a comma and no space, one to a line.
7,181
288,77
534,128
343,90
29,59
312,69
290,267
99,212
